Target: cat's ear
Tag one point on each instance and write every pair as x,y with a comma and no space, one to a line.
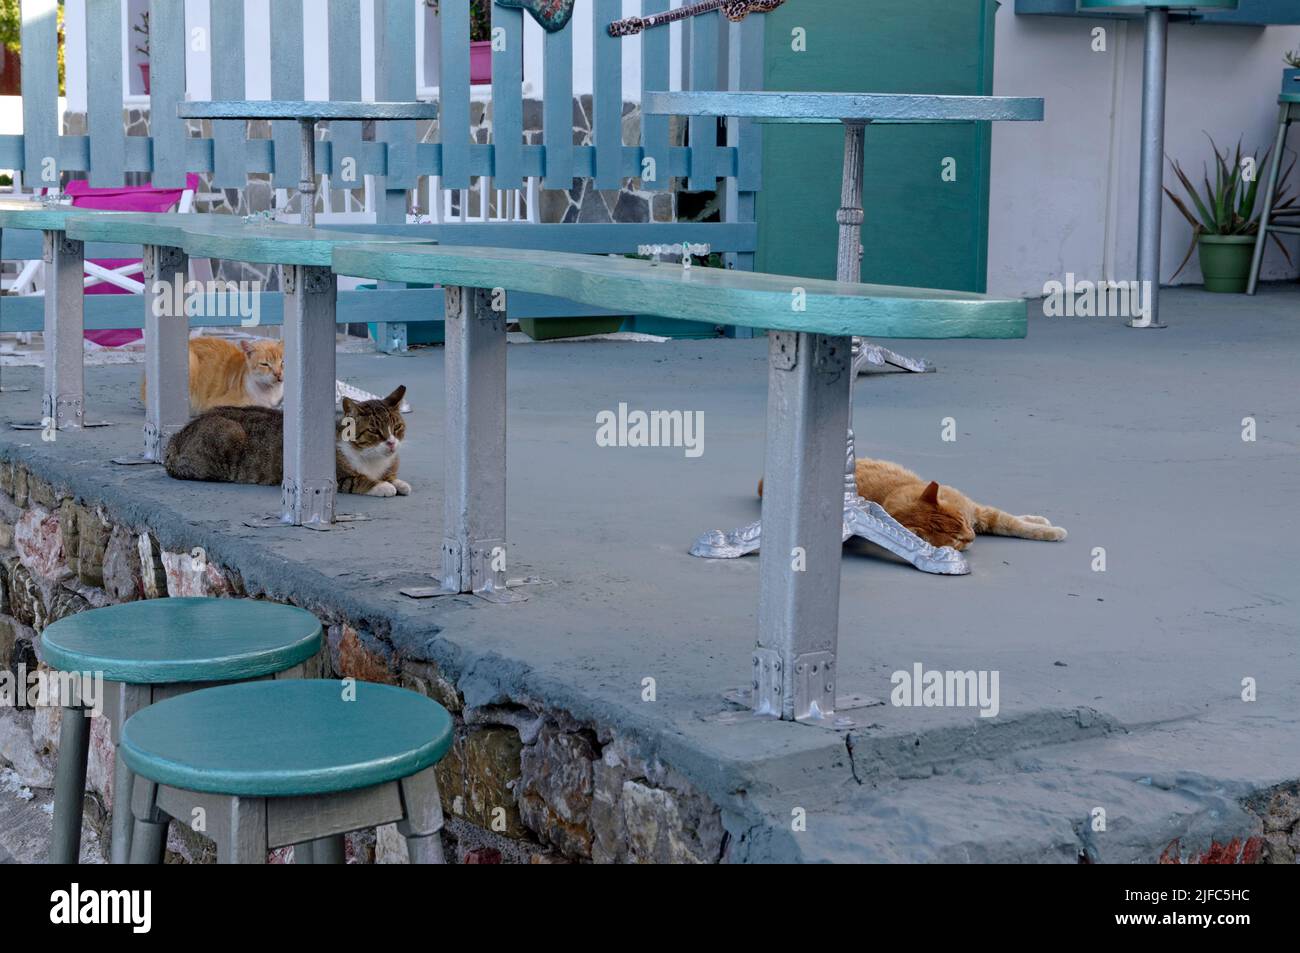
931,494
395,398
246,345
349,407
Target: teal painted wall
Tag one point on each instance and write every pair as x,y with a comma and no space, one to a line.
919,230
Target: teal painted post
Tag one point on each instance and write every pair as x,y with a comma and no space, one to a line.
745,71
607,95
104,92
654,75
394,82
167,46
453,105
703,130
507,99
345,84
287,83
557,108
42,164
229,152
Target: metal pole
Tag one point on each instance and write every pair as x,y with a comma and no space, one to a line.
167,347
64,402
307,495
307,183
474,503
1266,215
1151,196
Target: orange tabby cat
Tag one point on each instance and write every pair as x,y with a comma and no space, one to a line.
940,515
247,373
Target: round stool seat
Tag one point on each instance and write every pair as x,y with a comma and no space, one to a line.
285,738
164,641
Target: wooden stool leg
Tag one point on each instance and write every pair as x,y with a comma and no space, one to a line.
329,850
70,785
123,780
149,838
422,824
244,840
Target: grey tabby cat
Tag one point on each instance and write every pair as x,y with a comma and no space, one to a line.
246,445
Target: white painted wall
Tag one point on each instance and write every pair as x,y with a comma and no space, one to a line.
1064,191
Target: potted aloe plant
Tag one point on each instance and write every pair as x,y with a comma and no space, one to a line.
1226,221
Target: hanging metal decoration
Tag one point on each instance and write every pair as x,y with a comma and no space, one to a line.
733,10
552,15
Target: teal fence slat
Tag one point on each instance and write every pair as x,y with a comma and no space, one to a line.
453,97
508,98
654,76
228,83
703,130
41,163
345,83
167,45
557,108
287,84
607,95
395,82
104,122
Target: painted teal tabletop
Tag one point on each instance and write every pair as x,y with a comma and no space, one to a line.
225,236
837,107
15,213
701,294
318,109
1158,4
286,738
274,243
163,641
130,228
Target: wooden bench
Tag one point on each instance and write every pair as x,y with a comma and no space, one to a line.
810,324
309,325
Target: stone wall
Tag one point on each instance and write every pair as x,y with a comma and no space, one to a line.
522,783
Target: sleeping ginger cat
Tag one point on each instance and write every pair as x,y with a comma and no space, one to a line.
248,373
940,515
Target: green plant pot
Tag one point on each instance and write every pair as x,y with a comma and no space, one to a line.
1225,262
548,329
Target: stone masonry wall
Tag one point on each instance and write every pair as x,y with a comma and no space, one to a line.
522,783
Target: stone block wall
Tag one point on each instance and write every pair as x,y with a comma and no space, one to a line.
522,783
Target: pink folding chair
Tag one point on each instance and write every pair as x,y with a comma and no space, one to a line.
112,275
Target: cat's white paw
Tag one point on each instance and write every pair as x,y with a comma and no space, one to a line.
1040,520
403,488
382,488
1055,534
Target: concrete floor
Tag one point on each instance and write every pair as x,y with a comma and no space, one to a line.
1120,690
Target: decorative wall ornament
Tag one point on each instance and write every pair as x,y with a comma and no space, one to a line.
733,10
552,15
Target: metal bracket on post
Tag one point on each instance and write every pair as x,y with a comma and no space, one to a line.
474,548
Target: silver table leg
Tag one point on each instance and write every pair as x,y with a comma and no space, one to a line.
1266,214
1151,196
167,349
307,496
307,183
65,389
474,509
866,520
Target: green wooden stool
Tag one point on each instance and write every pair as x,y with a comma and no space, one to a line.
272,764
151,650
